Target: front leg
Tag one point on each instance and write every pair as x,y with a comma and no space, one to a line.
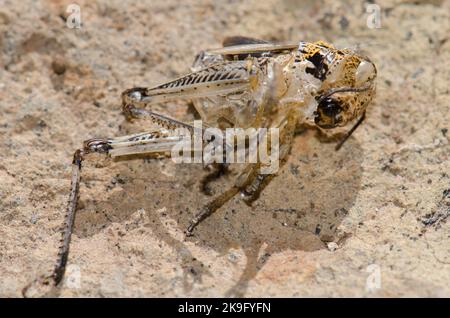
211,207
242,181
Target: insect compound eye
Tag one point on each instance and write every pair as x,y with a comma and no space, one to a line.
365,72
328,114
330,107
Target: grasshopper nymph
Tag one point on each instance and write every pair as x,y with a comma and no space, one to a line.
246,83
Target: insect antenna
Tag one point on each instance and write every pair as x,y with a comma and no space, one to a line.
350,132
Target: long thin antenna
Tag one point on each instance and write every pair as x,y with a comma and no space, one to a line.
350,132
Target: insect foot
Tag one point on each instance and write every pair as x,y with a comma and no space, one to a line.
204,212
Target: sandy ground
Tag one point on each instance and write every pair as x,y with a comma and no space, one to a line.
329,223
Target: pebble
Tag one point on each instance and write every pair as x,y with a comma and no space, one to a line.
332,246
58,66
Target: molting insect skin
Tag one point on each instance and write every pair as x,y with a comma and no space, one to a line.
246,83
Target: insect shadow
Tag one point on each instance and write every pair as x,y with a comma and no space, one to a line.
301,209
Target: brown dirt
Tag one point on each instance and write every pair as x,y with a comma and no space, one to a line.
317,228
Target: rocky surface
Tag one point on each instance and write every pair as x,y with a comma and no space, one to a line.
376,211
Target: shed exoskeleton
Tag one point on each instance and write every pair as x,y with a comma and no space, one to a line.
246,83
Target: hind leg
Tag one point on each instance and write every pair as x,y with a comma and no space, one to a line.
157,141
148,142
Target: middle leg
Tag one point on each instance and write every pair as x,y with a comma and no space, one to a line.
260,181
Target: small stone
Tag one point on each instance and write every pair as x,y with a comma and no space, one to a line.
332,246
59,66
